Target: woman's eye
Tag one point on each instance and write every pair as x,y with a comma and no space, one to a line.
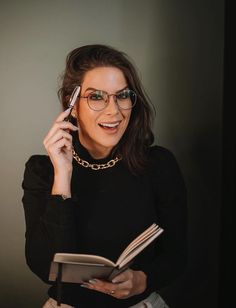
123,95
95,97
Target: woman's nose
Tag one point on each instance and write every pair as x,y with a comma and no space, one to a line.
112,106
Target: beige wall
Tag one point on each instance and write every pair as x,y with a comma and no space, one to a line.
178,48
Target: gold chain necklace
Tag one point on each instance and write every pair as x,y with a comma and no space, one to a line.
86,164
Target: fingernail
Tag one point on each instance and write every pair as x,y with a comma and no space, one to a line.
93,281
84,286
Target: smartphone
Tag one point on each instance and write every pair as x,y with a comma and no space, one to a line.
72,101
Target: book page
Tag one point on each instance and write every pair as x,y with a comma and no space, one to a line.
140,239
82,259
138,249
139,243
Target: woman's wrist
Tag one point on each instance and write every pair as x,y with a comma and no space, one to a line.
61,185
141,281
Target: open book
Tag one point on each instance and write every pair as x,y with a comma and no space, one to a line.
77,268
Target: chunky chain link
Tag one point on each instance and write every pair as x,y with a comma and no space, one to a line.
86,164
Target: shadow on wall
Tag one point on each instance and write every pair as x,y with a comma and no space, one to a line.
185,75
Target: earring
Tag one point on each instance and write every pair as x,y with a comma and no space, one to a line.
73,113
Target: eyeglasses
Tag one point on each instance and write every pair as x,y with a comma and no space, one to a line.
98,100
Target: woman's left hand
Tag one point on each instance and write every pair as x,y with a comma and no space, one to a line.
124,285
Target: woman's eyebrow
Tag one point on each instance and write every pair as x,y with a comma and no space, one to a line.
122,89
94,89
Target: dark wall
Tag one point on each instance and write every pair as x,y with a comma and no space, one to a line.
189,122
227,254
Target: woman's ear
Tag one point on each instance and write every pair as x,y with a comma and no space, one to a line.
74,113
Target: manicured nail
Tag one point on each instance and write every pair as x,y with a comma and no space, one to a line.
93,281
83,285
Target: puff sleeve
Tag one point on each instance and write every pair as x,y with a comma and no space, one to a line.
50,220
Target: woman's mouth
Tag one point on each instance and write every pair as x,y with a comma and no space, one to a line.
111,127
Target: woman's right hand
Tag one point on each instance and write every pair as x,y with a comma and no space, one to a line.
58,144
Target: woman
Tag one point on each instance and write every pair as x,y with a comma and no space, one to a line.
102,184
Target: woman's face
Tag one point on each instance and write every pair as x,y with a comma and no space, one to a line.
101,130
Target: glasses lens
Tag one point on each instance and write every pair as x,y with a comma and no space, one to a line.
126,99
97,100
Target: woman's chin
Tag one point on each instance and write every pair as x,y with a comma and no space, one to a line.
107,143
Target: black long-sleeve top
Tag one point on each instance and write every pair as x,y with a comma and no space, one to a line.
107,210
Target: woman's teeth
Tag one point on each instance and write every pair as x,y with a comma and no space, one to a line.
110,125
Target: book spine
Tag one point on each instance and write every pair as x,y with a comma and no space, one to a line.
116,270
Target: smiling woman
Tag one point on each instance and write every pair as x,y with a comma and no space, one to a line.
102,127
104,72
101,174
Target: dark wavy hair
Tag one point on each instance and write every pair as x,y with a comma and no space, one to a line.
135,143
